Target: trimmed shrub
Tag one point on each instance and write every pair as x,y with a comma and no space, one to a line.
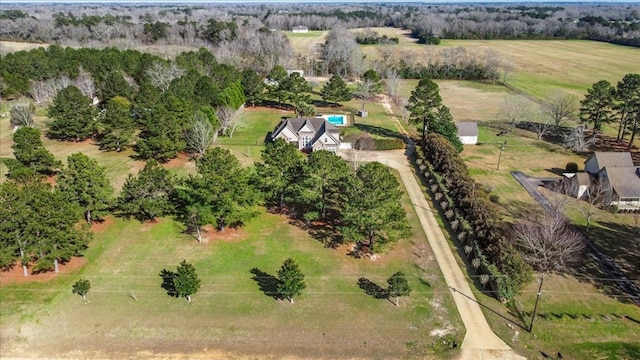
494,198
389,144
571,167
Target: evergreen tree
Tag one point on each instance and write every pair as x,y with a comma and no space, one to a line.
627,105
279,174
30,153
114,85
443,124
335,90
185,281
423,104
321,191
118,125
86,184
81,287
253,86
220,194
398,286
372,212
72,114
276,76
597,106
146,196
163,136
295,89
290,280
373,77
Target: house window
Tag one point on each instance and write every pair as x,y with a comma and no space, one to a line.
306,141
325,140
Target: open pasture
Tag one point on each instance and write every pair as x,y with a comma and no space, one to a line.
231,312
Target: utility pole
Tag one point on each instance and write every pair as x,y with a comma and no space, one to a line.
535,307
500,156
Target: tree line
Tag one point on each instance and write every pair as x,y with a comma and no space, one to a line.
42,224
83,25
473,218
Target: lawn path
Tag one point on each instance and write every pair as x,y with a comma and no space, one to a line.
479,342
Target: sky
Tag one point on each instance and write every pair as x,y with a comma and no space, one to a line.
309,2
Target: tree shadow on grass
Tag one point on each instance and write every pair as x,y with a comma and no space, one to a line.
167,282
267,283
372,289
376,130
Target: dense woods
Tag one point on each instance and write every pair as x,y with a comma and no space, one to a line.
247,28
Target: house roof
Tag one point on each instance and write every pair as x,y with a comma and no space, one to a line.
612,159
467,128
583,178
319,126
624,181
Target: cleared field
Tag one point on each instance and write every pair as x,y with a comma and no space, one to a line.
542,67
13,46
333,318
307,44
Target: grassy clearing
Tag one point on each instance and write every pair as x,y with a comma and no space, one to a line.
332,318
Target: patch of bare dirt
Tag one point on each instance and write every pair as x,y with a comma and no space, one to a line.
229,234
14,275
101,226
180,161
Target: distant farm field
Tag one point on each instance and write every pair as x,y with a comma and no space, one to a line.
569,65
540,66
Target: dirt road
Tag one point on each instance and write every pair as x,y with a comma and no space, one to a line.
479,342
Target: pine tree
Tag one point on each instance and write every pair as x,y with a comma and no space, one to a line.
86,183
81,287
597,106
398,286
186,280
146,196
335,90
118,125
31,153
73,116
291,280
423,104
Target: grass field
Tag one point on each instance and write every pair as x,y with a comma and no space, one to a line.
333,318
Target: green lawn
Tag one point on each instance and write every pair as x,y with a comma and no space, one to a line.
333,317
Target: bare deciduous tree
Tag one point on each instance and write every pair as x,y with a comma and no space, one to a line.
85,83
547,241
161,75
514,109
577,140
507,70
392,84
541,126
589,206
365,91
200,135
230,119
42,91
560,107
363,142
20,115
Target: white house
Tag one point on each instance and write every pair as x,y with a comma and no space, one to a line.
300,29
309,134
467,132
617,178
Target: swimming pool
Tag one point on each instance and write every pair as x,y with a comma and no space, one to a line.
337,120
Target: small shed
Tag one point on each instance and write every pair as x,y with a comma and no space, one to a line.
468,132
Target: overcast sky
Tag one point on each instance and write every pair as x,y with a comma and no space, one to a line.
312,1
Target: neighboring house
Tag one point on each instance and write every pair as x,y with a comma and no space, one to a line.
309,134
467,132
614,176
300,29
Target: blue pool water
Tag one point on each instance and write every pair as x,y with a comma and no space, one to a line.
336,119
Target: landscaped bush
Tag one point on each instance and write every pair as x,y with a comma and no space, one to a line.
572,167
494,198
389,144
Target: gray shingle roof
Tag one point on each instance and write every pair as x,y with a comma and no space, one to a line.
467,128
613,159
319,126
624,181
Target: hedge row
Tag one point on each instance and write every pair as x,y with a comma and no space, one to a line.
389,144
474,220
